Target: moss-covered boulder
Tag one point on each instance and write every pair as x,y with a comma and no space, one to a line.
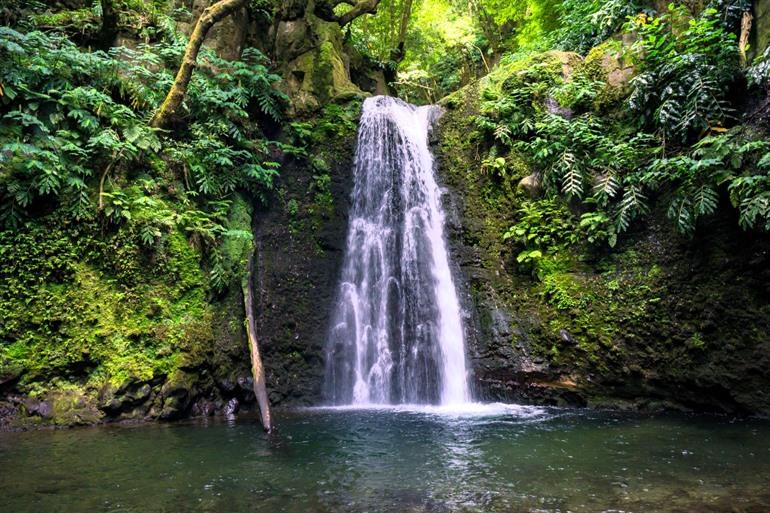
73,408
315,65
611,64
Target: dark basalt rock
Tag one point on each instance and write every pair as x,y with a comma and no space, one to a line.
37,407
300,242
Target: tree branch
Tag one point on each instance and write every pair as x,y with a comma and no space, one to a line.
211,15
325,10
257,370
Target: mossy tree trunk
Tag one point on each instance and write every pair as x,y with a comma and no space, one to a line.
257,370
211,15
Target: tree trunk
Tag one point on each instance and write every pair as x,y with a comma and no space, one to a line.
109,24
399,51
743,42
211,15
258,372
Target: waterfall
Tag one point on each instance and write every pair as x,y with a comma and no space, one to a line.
396,335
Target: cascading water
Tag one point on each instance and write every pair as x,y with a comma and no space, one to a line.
396,334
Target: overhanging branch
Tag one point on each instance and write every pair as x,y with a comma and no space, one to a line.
325,10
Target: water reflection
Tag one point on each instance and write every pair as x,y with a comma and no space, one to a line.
400,460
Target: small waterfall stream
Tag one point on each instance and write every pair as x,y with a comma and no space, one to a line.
396,334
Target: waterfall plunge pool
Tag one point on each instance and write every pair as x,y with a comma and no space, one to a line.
491,458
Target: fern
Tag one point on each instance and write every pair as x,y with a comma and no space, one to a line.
606,188
572,179
689,66
705,200
681,212
632,205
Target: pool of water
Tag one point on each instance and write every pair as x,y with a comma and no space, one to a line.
483,459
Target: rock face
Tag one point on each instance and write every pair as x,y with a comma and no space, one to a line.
227,37
314,64
659,322
300,240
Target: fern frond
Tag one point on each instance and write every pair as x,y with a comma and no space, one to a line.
572,178
606,188
705,200
633,204
680,211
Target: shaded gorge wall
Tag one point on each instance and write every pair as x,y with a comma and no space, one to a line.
661,321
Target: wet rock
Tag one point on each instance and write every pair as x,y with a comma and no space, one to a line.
37,407
176,396
125,400
246,384
203,408
232,407
566,337
227,385
8,414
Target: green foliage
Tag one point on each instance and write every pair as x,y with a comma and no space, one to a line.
110,226
729,161
577,156
586,24
545,230
688,66
76,119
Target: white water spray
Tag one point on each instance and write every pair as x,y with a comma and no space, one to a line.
396,334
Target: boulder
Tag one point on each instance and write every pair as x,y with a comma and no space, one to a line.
72,408
610,63
176,395
531,185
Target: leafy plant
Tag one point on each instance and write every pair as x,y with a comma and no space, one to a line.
688,66
585,24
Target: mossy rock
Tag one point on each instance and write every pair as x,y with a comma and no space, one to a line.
658,322
73,408
320,74
176,396
611,64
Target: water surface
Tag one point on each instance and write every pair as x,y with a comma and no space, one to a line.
490,459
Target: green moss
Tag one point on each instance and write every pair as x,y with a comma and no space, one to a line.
71,319
605,316
82,20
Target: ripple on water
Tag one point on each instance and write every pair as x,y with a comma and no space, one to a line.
474,458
